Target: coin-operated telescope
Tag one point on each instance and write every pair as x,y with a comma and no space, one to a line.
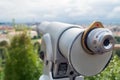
69,51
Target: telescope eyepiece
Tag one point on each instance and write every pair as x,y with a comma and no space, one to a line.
100,40
106,42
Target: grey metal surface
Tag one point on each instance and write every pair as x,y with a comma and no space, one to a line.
100,40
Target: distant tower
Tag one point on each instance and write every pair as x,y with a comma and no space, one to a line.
13,23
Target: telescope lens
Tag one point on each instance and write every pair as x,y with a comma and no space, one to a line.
106,42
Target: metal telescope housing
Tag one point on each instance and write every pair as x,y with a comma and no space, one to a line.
100,41
70,50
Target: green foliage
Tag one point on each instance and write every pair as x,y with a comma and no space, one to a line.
1,74
117,52
4,44
112,72
118,42
21,27
37,46
117,38
3,54
36,37
22,63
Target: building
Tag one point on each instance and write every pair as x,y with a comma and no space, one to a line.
5,29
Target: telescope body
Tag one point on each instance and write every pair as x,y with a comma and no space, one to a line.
65,55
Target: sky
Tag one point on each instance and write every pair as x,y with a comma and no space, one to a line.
71,11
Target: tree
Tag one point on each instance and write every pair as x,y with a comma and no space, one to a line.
22,63
117,38
3,52
4,43
37,46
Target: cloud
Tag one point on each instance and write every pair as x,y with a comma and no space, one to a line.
66,10
115,13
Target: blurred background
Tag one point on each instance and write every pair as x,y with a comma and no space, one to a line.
20,17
